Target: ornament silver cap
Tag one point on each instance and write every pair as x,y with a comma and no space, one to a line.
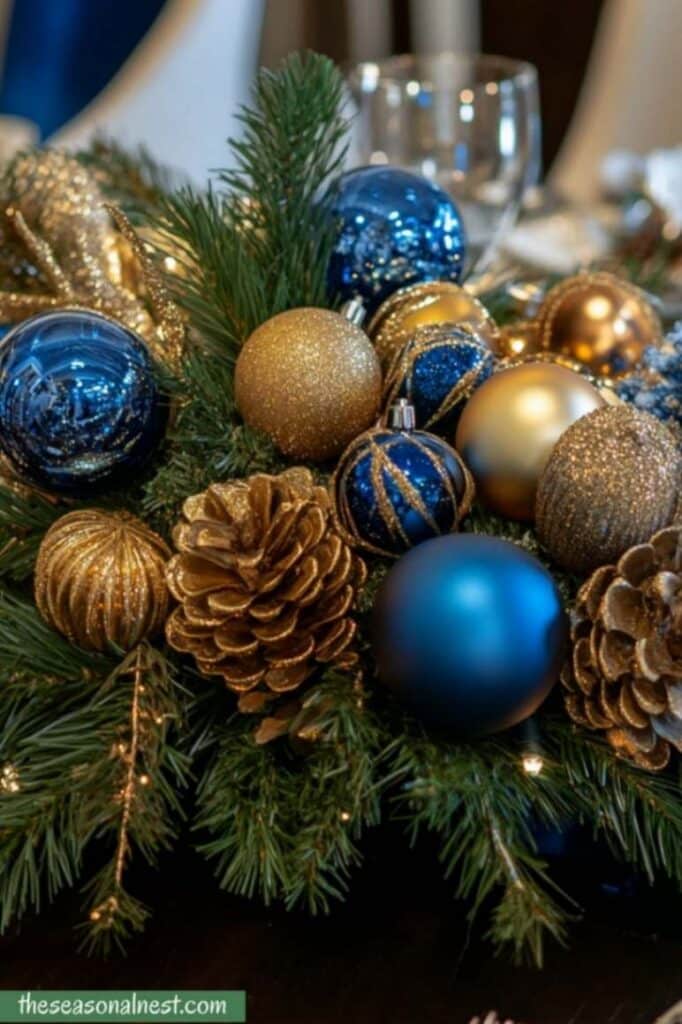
354,312
401,415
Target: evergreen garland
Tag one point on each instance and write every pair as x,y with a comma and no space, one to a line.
98,752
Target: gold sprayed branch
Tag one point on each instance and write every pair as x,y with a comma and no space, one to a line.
56,210
104,913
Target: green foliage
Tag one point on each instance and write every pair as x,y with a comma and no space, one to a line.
96,752
24,519
481,804
257,245
260,242
132,180
64,738
282,826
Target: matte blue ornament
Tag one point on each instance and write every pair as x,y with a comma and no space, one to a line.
470,632
395,229
437,371
79,405
396,487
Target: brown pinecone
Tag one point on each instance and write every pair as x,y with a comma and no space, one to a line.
265,586
625,675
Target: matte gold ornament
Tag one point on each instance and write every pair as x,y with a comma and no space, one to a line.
310,379
510,425
265,585
625,672
611,482
600,320
100,579
430,303
80,250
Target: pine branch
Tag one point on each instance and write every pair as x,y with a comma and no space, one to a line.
482,805
141,810
207,441
339,795
262,243
637,812
62,754
132,179
284,826
24,520
259,245
242,803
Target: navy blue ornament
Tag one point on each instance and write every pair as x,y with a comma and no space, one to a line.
470,633
396,487
395,229
437,371
79,405
656,387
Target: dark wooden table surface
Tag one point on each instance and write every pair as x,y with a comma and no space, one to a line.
396,952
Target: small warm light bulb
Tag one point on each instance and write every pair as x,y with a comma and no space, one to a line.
95,915
144,780
345,816
532,764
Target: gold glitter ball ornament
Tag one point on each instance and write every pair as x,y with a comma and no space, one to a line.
310,380
600,320
265,584
625,672
510,425
100,579
428,304
611,482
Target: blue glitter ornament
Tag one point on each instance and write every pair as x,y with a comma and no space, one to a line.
469,631
396,487
395,228
656,387
437,371
79,406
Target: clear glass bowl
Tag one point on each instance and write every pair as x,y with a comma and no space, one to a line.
471,123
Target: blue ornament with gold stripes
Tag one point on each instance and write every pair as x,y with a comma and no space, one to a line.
437,371
396,486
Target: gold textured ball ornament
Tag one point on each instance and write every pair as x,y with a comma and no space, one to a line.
611,482
510,425
427,304
100,579
600,320
310,379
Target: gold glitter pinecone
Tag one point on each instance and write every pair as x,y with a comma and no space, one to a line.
625,674
265,585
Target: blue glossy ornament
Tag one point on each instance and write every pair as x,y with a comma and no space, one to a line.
470,632
396,487
79,405
395,228
438,370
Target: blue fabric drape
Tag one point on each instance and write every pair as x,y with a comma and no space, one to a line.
62,53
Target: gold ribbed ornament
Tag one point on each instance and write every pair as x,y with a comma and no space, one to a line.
509,426
309,379
427,304
611,481
100,579
600,320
